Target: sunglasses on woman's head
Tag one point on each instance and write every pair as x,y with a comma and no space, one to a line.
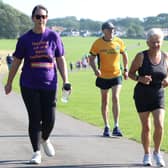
40,16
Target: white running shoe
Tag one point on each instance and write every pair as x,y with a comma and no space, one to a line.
159,159
48,148
36,158
147,161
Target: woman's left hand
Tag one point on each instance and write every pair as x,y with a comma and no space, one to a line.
165,82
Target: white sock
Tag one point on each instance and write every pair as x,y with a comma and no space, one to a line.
116,125
107,125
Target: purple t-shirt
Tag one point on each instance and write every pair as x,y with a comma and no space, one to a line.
39,52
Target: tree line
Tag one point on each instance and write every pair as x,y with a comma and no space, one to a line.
13,23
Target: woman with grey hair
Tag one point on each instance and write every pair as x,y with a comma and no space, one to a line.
150,70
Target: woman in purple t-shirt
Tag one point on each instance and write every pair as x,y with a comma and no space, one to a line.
41,49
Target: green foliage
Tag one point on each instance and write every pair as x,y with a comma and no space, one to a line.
12,22
84,103
160,21
69,22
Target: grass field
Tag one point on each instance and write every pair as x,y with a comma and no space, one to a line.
84,103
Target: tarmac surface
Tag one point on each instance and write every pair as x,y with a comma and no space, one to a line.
77,144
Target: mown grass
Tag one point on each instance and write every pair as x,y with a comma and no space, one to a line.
84,103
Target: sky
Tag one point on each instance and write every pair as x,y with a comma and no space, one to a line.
98,10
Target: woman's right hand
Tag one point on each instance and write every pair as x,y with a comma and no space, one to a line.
8,88
145,79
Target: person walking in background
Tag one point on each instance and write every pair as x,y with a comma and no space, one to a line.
0,61
152,68
42,49
9,60
71,66
108,49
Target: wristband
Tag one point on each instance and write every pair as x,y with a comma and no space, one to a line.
125,70
67,86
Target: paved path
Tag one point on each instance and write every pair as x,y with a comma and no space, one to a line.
77,144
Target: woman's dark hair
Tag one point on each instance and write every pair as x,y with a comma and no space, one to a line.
39,7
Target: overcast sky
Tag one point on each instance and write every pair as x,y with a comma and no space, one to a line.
100,10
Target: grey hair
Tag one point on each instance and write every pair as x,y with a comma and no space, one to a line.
153,32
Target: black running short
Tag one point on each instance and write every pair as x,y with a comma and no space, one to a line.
108,83
148,98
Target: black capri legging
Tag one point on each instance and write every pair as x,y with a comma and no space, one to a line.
40,106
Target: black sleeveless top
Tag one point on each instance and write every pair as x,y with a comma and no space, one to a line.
150,97
157,71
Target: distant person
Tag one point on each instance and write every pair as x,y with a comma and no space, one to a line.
41,49
78,65
71,66
108,50
84,62
152,68
9,60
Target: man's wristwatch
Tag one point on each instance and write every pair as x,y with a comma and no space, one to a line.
136,77
125,70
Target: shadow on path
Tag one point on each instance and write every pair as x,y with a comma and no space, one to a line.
27,165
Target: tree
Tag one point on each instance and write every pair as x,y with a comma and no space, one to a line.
88,24
69,22
135,31
12,22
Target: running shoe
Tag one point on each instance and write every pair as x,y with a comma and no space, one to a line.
48,148
116,132
36,158
159,159
106,132
147,161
